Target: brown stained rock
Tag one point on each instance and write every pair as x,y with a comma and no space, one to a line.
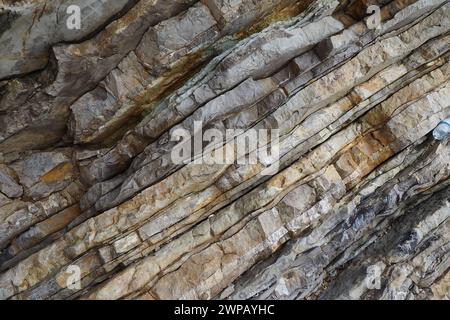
42,229
44,173
168,51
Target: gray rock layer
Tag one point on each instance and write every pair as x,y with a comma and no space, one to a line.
355,204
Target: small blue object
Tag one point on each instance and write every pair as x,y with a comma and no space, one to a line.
442,130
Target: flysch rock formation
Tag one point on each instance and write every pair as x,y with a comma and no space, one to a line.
356,204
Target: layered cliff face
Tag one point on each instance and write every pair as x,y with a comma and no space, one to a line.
336,188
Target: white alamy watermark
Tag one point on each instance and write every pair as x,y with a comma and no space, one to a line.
373,276
374,20
73,281
73,22
75,16
235,146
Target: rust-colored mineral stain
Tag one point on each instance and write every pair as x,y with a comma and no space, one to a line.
278,14
60,172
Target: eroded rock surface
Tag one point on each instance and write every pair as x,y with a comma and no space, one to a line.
355,204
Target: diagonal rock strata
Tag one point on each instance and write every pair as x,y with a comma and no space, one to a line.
358,187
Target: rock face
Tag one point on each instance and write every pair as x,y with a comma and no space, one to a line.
336,188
